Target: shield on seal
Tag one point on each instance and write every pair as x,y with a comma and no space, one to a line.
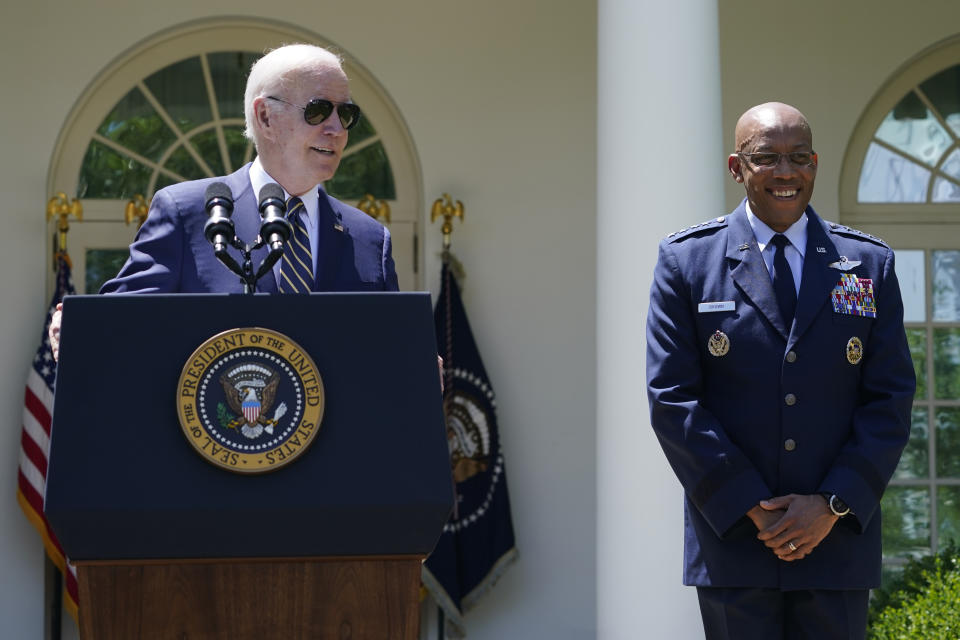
251,406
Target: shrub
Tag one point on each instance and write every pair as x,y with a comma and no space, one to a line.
922,604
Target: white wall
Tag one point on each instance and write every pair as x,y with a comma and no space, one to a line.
500,100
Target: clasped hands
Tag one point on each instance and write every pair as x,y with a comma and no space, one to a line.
793,525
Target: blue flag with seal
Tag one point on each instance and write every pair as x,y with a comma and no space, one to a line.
477,543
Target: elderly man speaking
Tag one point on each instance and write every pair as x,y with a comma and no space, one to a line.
780,387
298,112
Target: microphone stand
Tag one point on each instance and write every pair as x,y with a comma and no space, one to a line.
247,275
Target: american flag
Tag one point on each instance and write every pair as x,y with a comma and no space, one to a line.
35,439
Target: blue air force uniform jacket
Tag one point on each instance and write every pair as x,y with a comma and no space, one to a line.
788,409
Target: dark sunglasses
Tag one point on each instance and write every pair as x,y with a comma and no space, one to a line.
318,110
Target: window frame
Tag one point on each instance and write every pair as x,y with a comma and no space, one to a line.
928,63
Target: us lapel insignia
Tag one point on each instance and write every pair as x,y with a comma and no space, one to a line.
853,296
854,350
718,344
844,264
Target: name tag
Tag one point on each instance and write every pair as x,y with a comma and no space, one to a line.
713,307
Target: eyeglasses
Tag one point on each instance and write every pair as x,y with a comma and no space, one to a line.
318,110
768,159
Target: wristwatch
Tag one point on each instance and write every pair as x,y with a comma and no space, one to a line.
837,506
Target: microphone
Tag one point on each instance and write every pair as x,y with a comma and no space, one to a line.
219,229
275,230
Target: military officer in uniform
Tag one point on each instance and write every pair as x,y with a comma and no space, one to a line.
780,387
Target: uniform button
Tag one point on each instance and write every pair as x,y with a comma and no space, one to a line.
790,399
789,444
791,356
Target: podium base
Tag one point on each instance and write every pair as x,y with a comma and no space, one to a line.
333,598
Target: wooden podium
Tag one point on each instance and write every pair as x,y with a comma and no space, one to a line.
169,545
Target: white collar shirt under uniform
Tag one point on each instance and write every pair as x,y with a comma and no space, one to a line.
311,202
796,234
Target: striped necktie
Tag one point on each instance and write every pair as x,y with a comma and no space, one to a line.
296,269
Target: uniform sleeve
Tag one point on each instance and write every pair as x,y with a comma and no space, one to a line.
156,253
718,478
881,422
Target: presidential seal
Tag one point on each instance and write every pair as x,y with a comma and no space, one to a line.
250,400
854,350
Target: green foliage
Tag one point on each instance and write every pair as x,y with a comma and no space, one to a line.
923,603
225,417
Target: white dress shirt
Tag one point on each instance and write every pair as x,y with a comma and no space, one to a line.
796,234
311,202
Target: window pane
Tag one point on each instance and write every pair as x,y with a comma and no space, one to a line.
948,514
363,172
906,522
362,131
237,145
910,273
948,442
181,89
913,129
163,180
134,124
182,163
946,364
917,339
945,191
943,91
229,73
107,174
915,462
208,147
946,286
951,165
103,264
888,177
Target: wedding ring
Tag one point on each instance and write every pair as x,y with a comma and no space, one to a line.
792,546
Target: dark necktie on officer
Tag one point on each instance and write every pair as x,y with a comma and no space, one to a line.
783,285
296,269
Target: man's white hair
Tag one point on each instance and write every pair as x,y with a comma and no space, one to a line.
279,69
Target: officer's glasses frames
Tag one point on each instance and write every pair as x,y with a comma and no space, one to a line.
318,110
769,159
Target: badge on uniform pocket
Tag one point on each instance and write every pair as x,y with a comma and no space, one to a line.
718,344
853,296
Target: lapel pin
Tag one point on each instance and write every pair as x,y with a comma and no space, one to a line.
744,247
338,227
821,250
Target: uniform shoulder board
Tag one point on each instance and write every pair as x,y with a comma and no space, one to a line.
855,233
708,224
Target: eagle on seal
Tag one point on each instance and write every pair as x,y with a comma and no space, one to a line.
251,406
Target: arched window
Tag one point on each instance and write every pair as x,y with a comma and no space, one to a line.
172,110
901,181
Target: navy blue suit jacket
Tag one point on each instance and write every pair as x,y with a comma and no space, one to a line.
170,253
723,421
